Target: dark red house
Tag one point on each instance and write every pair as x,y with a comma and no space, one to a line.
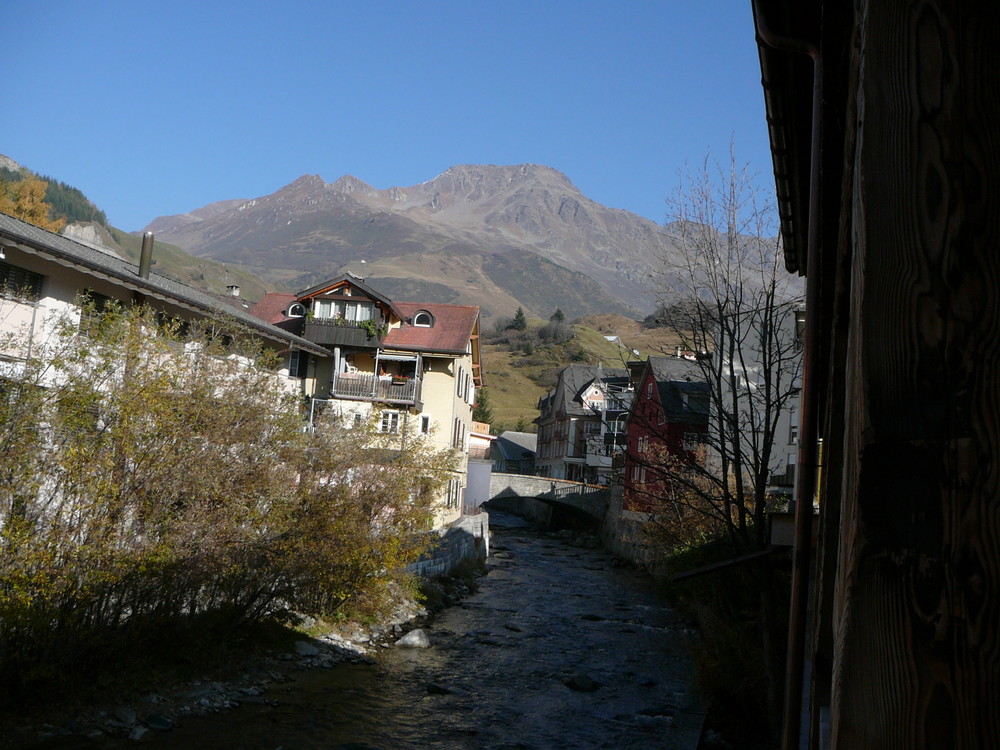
669,419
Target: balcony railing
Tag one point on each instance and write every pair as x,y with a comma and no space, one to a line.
338,332
365,387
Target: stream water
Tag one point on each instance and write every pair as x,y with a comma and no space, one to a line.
557,649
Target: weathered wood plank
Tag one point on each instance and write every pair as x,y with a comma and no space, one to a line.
917,626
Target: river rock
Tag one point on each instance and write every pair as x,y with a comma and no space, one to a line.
159,722
137,732
304,648
126,715
582,683
414,639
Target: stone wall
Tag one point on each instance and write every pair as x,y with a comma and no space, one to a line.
623,533
468,538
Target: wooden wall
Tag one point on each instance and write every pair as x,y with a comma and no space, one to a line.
909,603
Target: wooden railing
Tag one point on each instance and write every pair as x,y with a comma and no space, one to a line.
366,387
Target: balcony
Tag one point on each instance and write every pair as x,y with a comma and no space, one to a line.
358,386
338,332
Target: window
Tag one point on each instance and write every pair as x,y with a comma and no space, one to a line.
298,364
296,310
425,424
643,444
423,319
19,283
94,306
389,422
690,441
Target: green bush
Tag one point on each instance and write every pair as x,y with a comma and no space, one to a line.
154,484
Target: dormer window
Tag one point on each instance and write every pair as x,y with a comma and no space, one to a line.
423,319
296,310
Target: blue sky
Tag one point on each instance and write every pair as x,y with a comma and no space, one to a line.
157,108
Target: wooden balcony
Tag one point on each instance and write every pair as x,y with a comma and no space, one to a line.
366,387
337,332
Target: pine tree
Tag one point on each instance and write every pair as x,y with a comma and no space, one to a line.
520,321
483,411
558,316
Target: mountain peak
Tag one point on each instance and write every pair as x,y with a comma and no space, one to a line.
499,177
350,184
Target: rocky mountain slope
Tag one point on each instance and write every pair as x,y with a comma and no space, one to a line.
497,236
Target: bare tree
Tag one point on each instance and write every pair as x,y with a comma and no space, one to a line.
723,292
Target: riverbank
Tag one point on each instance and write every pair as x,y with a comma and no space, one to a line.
96,717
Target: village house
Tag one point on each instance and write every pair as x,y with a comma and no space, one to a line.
44,275
414,367
514,452
668,420
581,423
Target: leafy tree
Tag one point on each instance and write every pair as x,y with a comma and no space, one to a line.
483,411
25,200
520,321
152,480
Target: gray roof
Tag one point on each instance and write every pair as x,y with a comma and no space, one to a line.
513,445
574,379
87,259
676,378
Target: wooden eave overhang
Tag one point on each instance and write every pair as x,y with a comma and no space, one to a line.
787,79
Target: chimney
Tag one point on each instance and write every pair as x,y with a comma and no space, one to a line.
234,290
146,256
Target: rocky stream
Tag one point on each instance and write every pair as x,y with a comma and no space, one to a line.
560,647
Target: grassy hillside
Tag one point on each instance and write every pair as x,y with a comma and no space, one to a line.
516,380
198,272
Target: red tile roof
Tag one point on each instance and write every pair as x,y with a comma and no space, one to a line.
453,326
272,307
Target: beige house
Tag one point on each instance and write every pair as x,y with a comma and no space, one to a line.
414,367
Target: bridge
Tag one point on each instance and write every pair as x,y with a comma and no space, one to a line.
540,497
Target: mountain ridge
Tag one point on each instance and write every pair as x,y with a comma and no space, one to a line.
310,228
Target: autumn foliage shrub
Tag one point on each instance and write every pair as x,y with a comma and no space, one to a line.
157,476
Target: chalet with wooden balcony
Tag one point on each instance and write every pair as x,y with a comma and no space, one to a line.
416,366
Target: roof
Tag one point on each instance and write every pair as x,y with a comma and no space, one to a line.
514,445
453,326
788,81
272,307
354,281
73,254
575,379
676,381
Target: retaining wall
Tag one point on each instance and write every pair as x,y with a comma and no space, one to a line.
468,538
623,533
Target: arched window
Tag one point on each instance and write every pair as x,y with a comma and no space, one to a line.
296,310
423,319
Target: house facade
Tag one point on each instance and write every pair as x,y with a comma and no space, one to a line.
412,367
514,452
43,276
669,420
581,423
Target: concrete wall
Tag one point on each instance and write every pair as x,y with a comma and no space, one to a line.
468,538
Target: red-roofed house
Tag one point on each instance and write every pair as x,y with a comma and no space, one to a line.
416,364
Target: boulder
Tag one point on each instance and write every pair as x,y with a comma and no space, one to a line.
305,648
414,639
